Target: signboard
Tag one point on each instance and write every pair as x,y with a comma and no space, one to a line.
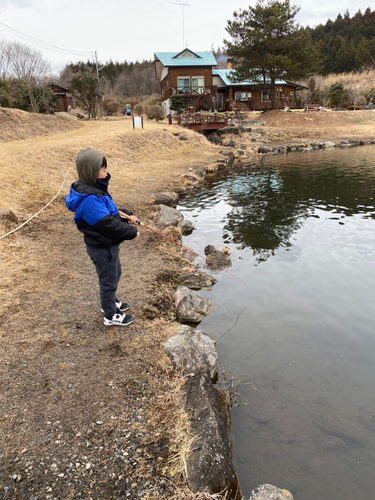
137,121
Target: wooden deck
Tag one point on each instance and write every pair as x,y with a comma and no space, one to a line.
199,122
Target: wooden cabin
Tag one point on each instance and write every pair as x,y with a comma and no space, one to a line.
63,98
193,76
188,74
251,95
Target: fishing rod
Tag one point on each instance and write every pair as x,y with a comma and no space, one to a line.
122,214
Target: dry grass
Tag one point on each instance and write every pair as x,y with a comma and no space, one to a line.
355,83
32,170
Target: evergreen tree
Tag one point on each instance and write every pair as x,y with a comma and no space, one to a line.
268,45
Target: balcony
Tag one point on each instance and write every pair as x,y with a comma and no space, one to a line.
193,91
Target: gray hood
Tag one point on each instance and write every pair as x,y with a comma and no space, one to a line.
88,164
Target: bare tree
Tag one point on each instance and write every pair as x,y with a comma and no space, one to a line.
139,82
25,63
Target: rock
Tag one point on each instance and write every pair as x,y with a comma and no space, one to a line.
217,257
168,216
343,429
7,215
228,130
201,174
228,142
197,281
211,169
264,150
329,144
208,464
186,227
168,198
192,352
190,307
229,154
269,492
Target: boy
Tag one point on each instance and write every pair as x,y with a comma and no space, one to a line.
98,219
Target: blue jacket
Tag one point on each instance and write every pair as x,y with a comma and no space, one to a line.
97,217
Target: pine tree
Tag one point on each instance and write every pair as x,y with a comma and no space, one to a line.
268,45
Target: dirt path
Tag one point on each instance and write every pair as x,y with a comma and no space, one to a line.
88,411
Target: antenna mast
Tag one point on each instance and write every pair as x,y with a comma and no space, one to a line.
183,5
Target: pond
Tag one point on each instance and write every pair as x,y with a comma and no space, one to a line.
295,325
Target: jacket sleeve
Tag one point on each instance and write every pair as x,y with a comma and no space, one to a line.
97,214
112,226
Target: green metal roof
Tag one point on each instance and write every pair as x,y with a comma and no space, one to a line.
186,58
224,75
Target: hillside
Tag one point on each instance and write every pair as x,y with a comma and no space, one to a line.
17,125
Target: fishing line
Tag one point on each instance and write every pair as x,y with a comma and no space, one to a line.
182,246
28,220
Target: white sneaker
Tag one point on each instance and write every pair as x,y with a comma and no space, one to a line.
119,320
121,306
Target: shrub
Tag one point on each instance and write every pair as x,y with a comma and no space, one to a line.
178,103
138,109
133,101
110,106
369,93
14,94
152,100
336,94
154,112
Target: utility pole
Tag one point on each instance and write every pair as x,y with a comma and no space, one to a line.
97,74
183,5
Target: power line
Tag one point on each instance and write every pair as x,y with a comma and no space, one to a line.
44,45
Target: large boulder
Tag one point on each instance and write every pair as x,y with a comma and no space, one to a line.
216,257
169,198
168,216
197,281
191,352
208,463
190,307
269,492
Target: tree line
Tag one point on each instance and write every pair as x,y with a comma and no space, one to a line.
346,44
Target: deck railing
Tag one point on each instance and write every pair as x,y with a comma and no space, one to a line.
194,91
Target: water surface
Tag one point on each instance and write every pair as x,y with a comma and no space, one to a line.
296,332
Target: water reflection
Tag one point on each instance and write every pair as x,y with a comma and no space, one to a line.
302,327
267,205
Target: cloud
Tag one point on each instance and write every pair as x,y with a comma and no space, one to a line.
22,4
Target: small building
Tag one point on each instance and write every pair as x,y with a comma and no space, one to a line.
193,76
63,98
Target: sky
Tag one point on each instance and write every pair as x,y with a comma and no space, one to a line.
134,30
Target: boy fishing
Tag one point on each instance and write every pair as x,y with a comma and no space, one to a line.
97,217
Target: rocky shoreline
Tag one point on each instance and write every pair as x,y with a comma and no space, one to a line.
193,354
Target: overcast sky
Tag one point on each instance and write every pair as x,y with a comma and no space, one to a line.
134,29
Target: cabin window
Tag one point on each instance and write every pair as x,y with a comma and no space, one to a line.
220,101
197,84
183,85
240,96
265,96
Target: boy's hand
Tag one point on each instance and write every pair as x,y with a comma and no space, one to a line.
133,220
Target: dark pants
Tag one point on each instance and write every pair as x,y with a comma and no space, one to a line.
108,269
